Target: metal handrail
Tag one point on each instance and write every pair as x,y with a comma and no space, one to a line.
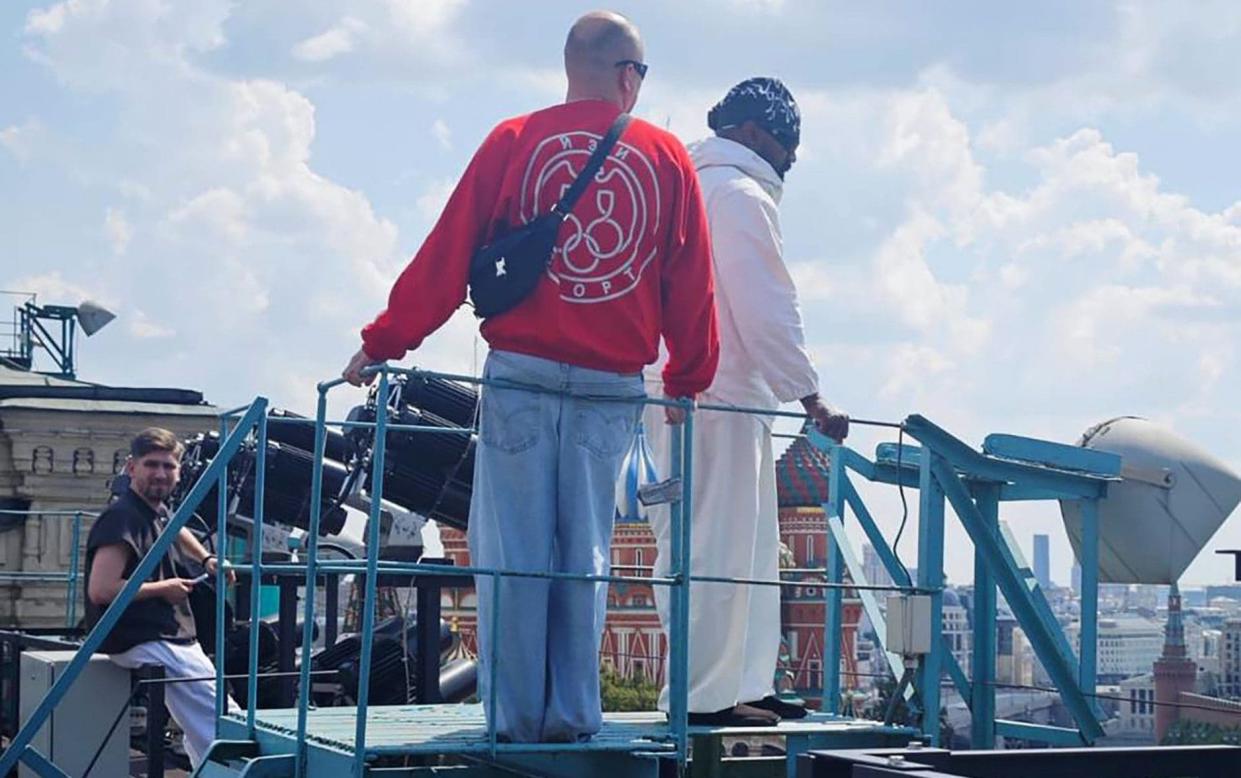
254,422
69,577
679,578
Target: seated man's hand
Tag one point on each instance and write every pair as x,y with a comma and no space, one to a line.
213,564
176,590
827,420
353,371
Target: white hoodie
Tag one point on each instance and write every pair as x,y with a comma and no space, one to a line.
763,357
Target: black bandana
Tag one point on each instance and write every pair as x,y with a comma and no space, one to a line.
767,101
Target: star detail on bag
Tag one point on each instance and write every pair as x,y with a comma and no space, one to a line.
500,269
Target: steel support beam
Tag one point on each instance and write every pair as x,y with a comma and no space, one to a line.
1019,599
931,577
833,597
982,701
900,576
1088,651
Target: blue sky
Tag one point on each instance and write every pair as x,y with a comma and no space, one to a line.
1007,217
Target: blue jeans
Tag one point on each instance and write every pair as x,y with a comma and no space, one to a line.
544,501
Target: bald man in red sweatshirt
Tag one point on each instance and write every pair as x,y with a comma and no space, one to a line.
632,262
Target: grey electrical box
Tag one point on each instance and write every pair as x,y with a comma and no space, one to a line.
76,727
909,624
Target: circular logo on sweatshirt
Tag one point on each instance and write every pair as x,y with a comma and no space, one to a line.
606,240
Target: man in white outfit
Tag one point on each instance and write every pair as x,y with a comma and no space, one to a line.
734,632
157,628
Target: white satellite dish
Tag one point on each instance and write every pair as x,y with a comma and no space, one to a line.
1173,498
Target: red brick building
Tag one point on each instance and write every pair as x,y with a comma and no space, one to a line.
633,641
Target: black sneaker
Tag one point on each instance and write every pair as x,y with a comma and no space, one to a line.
736,716
785,710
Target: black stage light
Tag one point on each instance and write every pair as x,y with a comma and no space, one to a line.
429,473
446,399
335,445
287,490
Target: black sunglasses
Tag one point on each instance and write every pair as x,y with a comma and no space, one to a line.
787,141
639,67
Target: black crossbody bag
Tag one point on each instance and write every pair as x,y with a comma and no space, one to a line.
505,271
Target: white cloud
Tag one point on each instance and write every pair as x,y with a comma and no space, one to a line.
433,199
423,19
21,139
243,230
147,40
925,138
1001,136
543,83
906,281
116,228
51,288
141,326
219,214
813,281
340,39
910,368
442,134
384,39
760,6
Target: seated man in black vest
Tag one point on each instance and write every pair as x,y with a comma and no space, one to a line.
157,628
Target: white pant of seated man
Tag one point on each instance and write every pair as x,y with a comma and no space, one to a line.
734,629
191,703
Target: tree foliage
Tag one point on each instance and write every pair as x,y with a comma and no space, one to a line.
626,694
1186,732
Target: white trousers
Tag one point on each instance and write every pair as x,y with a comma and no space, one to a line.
734,629
191,703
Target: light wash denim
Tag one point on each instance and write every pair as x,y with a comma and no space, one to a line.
544,500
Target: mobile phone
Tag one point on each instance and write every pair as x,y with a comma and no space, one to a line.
202,578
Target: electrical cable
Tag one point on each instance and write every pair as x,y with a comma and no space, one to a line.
900,488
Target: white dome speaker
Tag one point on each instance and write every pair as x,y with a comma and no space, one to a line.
1173,498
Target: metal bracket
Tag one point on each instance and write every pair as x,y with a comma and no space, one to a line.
1161,476
668,491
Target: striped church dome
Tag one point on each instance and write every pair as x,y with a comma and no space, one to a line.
637,470
801,476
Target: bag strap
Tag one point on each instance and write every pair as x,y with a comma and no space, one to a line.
595,162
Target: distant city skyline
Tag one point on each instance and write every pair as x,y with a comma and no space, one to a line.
1042,560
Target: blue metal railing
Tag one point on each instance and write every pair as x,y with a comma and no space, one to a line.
946,471
70,577
679,578
254,422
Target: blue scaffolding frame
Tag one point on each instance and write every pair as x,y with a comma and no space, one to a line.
944,470
948,472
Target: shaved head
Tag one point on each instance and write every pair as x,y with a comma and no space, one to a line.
597,41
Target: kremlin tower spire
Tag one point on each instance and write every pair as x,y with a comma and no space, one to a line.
1175,672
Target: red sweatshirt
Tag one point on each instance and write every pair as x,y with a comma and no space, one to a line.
632,262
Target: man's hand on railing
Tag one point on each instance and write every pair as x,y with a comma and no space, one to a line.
674,414
213,564
827,420
357,363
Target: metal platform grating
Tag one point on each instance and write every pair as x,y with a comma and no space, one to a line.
461,729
